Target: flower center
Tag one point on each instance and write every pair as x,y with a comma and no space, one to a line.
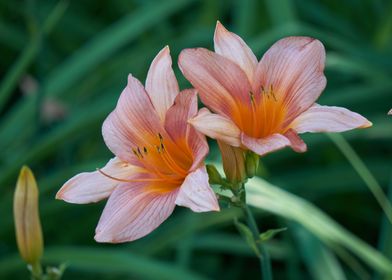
163,158
265,115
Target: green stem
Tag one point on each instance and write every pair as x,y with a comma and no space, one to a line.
264,258
36,271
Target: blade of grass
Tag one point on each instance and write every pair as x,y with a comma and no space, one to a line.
363,172
320,261
29,53
270,198
385,237
106,261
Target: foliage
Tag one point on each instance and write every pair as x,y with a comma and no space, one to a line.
62,69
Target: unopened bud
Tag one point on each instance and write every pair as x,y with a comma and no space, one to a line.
26,216
233,163
251,164
213,174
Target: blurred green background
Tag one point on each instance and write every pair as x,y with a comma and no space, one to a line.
62,68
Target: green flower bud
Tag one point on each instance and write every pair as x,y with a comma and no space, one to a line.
251,163
213,174
26,217
233,163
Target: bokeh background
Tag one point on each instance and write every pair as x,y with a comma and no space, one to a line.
62,67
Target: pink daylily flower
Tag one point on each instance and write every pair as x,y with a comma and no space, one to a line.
263,106
158,159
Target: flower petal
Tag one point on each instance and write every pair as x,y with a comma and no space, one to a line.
390,112
217,127
133,120
231,46
221,83
132,212
233,161
90,187
161,83
196,193
328,119
293,67
265,145
183,134
184,108
297,144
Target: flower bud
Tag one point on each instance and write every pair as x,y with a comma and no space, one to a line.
251,164
233,162
213,174
26,216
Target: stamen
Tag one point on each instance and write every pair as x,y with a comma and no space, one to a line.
158,149
135,152
139,152
137,180
272,93
145,150
252,98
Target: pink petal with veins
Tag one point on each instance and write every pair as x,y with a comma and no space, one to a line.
196,193
161,83
132,212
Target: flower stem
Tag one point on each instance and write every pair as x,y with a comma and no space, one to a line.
264,258
36,271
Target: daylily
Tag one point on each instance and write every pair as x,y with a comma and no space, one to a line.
158,159
263,106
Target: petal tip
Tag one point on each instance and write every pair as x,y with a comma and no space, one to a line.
59,195
367,124
101,238
219,27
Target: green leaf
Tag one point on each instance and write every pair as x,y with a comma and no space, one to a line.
320,261
268,197
267,235
247,235
107,261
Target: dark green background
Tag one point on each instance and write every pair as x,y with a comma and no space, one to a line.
75,56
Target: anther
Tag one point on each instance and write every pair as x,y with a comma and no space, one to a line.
135,152
139,152
145,150
252,97
158,149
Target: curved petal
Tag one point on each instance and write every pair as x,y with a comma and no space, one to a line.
217,127
183,134
221,83
297,144
184,108
90,187
265,145
390,112
231,46
132,122
132,212
293,67
196,193
328,119
161,83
